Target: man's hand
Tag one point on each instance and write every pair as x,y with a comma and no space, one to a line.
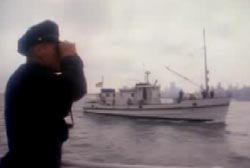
67,49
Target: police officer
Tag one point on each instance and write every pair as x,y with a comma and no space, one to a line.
38,97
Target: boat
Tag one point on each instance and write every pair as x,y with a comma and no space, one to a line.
144,100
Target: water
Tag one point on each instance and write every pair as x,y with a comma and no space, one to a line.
105,141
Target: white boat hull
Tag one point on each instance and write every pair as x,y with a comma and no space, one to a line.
214,110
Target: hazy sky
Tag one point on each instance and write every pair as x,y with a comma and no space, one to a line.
121,39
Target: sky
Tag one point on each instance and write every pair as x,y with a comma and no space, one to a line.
121,39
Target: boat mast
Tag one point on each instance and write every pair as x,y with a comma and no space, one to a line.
205,62
147,73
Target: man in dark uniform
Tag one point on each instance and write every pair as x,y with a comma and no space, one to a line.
39,95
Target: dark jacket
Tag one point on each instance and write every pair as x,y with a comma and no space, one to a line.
36,103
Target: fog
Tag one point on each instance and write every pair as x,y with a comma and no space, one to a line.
121,39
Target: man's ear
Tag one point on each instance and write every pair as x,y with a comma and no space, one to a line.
40,50
34,50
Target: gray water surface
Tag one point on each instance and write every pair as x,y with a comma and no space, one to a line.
120,141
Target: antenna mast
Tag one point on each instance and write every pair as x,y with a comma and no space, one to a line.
205,62
147,73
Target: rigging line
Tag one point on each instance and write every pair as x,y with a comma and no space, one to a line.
181,76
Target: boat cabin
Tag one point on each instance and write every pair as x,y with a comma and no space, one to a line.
142,93
107,96
147,93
